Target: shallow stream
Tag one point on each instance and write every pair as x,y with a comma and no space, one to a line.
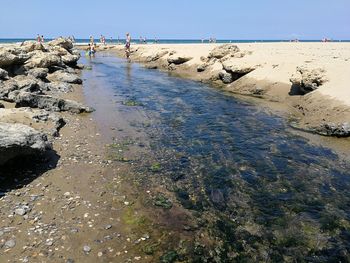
251,188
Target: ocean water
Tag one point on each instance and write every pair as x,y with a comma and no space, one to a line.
167,41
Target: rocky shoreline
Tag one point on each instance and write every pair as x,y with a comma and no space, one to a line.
275,77
34,78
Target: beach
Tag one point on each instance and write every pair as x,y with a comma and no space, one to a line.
265,70
174,155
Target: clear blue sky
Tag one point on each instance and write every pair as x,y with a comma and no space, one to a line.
194,19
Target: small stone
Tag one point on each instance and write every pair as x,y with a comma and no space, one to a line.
87,249
99,254
108,226
20,211
10,243
70,260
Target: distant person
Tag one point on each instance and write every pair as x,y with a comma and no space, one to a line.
42,39
38,38
127,45
111,39
91,39
91,50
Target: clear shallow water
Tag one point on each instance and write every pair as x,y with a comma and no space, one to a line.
256,191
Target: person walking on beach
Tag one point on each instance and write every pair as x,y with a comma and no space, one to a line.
38,38
42,39
127,45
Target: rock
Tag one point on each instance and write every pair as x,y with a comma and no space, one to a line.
308,80
60,87
332,129
43,60
66,77
237,69
4,74
1,106
6,87
25,99
177,60
202,67
29,46
52,123
223,50
226,77
69,260
8,59
62,42
21,211
151,66
39,73
10,243
156,56
86,249
162,201
17,140
70,60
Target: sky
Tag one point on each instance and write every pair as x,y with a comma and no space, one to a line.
177,19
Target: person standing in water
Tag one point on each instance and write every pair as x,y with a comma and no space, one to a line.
127,45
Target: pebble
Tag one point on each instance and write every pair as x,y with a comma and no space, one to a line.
99,254
108,226
70,260
10,243
20,211
87,249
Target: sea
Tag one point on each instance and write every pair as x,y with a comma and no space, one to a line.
168,41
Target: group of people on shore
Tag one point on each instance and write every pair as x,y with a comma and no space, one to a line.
40,39
91,50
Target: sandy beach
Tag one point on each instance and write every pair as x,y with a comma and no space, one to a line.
265,70
104,191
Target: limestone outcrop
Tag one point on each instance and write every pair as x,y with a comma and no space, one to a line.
308,79
33,76
18,140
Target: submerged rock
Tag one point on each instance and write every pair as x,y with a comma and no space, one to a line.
17,140
162,201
